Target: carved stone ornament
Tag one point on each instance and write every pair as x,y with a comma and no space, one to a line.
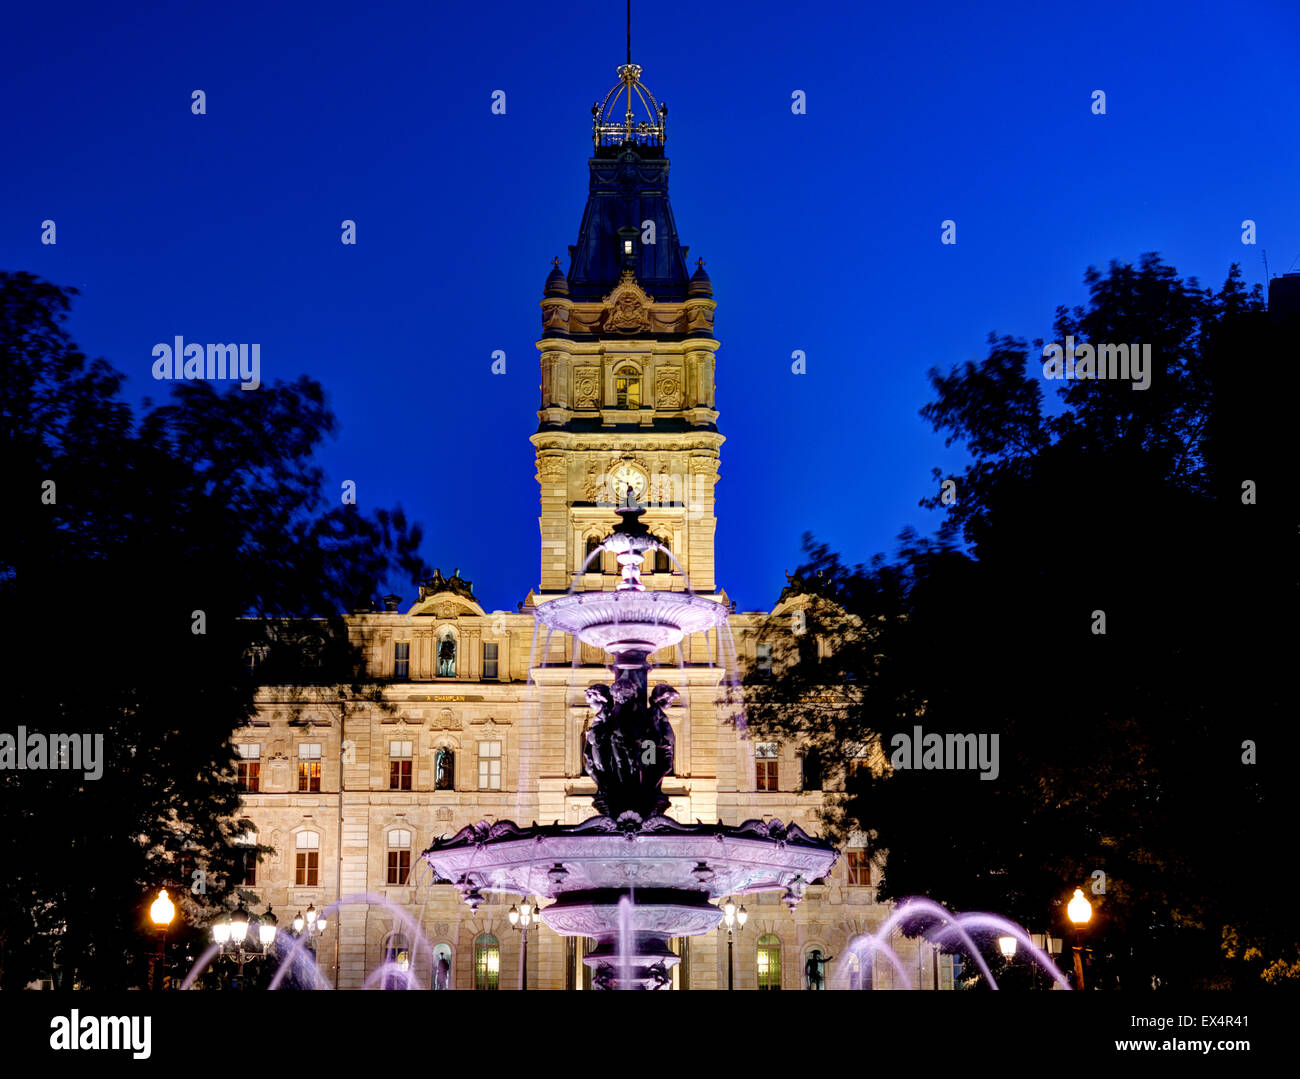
550,469
586,387
626,306
668,390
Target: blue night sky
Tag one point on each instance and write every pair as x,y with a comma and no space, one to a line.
821,232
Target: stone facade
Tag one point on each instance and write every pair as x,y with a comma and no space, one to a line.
627,402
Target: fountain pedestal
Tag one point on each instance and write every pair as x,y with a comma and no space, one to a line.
631,878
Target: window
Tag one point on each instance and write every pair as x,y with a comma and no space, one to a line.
307,867
490,660
812,771
397,957
489,766
769,961
249,869
399,855
401,661
858,759
487,962
627,388
682,971
250,767
399,766
859,867
309,767
444,769
765,766
859,963
589,548
763,659
248,858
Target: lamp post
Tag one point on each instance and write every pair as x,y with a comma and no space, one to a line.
1080,913
161,913
243,938
521,918
733,920
1048,943
313,924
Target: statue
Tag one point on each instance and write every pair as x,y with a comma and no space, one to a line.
628,748
443,769
815,969
442,973
447,656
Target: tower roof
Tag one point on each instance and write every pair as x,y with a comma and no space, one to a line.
628,222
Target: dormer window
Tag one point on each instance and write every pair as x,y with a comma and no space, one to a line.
627,388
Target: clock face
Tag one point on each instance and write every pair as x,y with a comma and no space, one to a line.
623,477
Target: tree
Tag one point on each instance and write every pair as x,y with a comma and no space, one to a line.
140,563
1120,752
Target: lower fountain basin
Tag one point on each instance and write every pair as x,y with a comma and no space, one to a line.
631,884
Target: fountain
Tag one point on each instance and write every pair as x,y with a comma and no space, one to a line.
631,877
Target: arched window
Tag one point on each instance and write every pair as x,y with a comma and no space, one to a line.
859,962
588,550
769,961
399,856
627,388
487,962
662,563
397,954
444,769
306,873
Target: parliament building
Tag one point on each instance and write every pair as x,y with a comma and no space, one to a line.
485,717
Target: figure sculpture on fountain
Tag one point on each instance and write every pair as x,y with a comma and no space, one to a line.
629,747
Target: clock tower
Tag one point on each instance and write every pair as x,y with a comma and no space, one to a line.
627,406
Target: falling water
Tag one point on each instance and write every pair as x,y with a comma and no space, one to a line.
624,932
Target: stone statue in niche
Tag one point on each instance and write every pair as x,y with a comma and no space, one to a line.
815,969
444,769
447,656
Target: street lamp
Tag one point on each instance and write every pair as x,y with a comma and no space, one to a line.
521,918
161,913
312,923
242,937
733,920
1047,943
1080,913
1007,946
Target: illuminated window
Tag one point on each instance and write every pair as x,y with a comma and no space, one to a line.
489,766
399,855
769,961
487,962
309,767
766,766
859,867
490,660
399,766
627,388
250,767
307,866
401,661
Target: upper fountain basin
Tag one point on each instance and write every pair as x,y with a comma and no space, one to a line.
613,620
